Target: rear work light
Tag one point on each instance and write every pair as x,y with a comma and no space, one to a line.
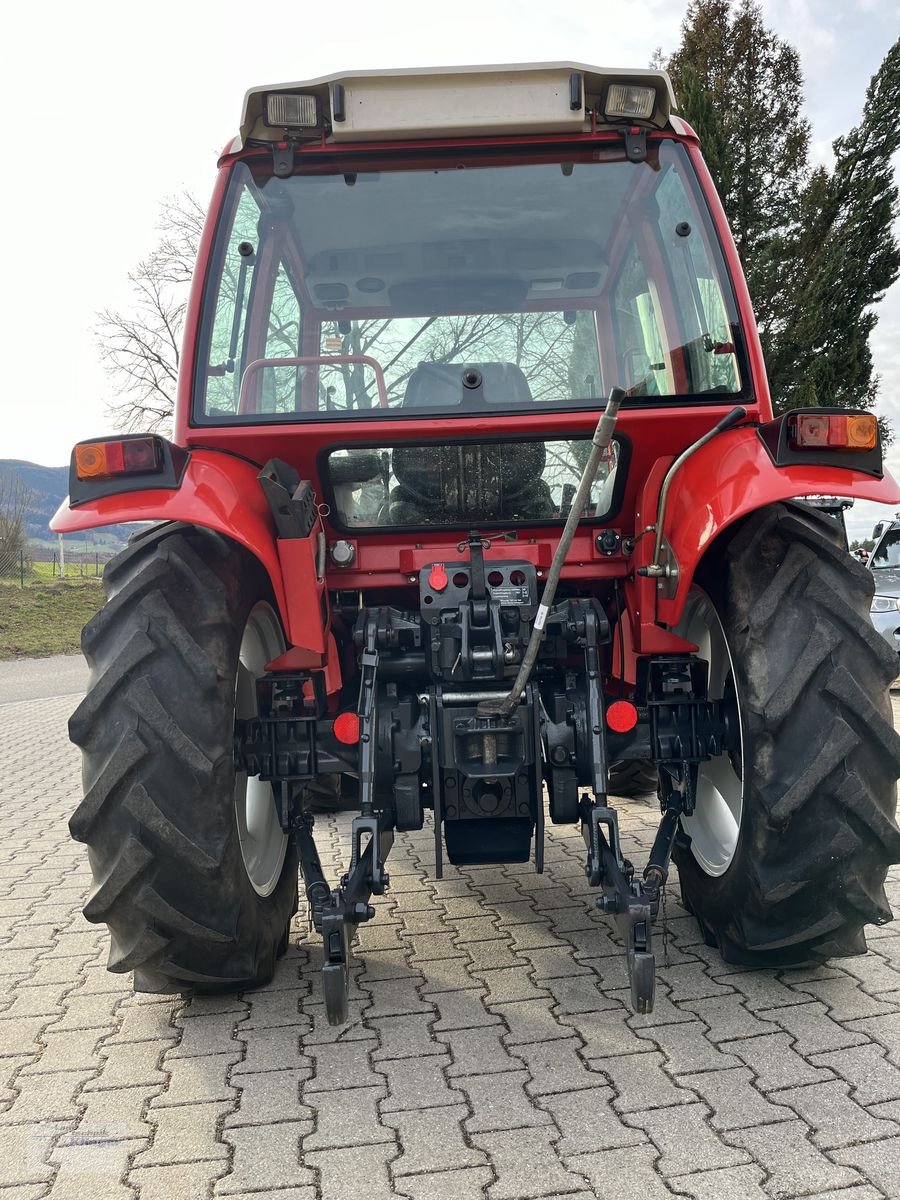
285,111
117,457
817,431
628,101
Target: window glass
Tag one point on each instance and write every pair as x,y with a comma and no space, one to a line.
887,552
279,386
465,483
235,283
551,281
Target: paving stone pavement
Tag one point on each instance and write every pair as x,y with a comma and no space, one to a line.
489,1053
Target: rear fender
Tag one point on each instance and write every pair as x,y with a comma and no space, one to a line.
730,477
217,491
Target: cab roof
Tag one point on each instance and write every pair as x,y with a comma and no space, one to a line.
434,102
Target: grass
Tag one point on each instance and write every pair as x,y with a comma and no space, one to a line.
47,615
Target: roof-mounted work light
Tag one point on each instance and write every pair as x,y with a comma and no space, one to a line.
628,101
291,111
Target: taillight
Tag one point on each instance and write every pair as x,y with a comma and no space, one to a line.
116,457
844,431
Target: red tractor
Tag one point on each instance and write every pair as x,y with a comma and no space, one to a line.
476,501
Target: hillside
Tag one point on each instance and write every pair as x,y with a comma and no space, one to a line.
47,488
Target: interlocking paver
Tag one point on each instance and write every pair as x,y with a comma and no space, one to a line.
191,1181
96,1164
478,1051
490,1053
119,1113
588,1122
640,1082
795,1166
466,1184
417,1083
338,1065
527,1165
208,1035
687,1048
532,1021
432,1140
404,1036
46,1097
734,1101
812,1029
885,1030
267,1097
727,1018
557,1066
72,1048
774,1062
270,1049
346,1118
462,1010
835,1119
844,998
874,1078
879,1162
353,1171
607,1033
685,1140
724,1183
266,1156
130,1064
184,1134
628,1173
500,1102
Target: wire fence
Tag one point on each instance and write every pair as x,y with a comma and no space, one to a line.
36,564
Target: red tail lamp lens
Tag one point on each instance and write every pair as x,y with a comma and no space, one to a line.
346,728
851,431
124,456
621,716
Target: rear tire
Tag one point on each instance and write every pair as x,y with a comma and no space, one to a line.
633,777
189,622
813,809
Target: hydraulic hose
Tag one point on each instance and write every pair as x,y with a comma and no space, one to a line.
599,445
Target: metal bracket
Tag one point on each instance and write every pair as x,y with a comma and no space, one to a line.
283,159
624,900
636,144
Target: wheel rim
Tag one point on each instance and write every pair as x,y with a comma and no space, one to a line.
715,826
263,842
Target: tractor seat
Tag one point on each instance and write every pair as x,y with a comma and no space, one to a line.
440,385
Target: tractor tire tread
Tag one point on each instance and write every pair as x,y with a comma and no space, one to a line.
155,734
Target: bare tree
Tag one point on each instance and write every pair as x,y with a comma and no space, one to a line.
14,497
140,347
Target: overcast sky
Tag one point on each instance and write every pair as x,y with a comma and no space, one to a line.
109,108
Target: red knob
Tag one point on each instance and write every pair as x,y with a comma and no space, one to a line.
437,578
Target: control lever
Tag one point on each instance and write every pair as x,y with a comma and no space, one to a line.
600,444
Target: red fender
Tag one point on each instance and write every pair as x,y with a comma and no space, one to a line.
731,476
218,491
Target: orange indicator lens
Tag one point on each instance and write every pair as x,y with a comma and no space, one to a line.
126,456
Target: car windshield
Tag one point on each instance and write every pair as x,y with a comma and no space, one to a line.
464,285
887,552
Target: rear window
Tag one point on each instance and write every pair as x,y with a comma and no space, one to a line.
336,292
466,483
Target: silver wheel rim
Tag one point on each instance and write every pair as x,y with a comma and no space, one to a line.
715,826
263,843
